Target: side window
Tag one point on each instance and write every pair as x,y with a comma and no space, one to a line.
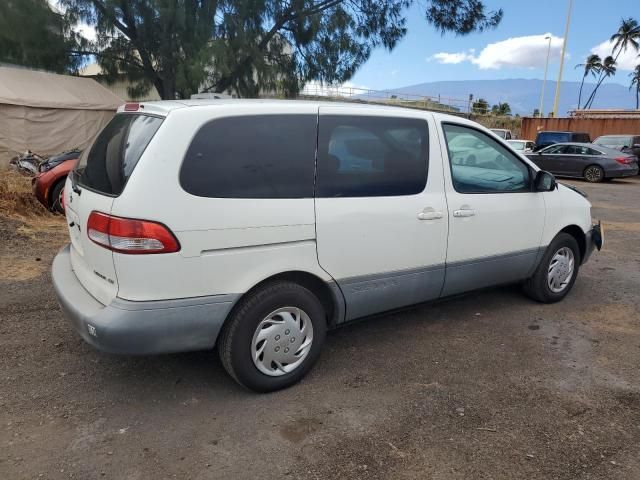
371,156
479,164
591,151
261,156
555,149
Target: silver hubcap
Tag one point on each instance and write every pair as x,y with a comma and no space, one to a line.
593,174
560,270
282,341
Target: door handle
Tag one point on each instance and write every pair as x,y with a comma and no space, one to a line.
429,214
464,212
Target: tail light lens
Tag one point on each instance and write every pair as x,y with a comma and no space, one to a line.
624,160
129,235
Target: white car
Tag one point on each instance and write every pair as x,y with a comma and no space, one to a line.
522,146
255,226
503,133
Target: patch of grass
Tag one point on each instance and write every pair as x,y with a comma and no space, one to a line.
17,199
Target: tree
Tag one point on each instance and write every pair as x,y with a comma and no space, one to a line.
592,66
628,34
502,109
480,107
635,82
33,35
247,46
607,70
536,112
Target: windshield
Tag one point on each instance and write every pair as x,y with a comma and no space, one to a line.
613,141
517,145
108,164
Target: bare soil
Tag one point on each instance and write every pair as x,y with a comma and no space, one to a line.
486,386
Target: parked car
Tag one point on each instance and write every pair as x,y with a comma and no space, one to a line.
48,184
544,139
592,162
625,143
272,221
502,133
522,146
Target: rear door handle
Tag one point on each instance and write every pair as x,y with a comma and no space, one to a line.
464,212
429,214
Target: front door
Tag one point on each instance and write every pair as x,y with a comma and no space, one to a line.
381,215
495,220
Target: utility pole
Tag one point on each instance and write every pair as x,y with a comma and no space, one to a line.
544,83
564,49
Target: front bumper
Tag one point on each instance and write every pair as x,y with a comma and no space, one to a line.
594,240
138,328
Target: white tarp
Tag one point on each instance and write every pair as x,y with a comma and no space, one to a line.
48,113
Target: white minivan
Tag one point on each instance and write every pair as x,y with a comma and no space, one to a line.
255,226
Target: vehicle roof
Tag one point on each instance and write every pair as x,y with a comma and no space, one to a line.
163,107
619,135
607,150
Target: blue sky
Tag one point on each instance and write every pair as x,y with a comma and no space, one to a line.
420,55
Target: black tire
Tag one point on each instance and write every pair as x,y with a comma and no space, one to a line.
234,344
593,174
56,196
537,286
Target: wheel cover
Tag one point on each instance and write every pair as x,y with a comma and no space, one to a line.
282,341
560,270
60,196
593,174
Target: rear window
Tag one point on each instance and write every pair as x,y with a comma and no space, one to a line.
261,156
545,138
581,138
108,164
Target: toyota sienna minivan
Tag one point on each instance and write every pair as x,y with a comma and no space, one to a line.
255,226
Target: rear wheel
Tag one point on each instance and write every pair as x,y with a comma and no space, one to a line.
594,174
273,337
56,197
557,271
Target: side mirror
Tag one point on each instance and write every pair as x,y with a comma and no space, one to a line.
544,182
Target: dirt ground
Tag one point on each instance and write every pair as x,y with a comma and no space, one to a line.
486,386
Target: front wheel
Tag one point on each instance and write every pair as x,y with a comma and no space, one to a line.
594,174
273,337
557,271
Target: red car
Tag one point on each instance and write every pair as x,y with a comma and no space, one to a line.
48,184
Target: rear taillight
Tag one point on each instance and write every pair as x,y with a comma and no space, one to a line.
624,160
129,235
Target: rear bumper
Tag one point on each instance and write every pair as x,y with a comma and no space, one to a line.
138,328
630,171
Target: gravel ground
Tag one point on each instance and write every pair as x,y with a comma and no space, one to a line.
490,385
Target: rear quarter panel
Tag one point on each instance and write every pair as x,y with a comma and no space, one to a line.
228,245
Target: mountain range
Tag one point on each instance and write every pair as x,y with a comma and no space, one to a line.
523,95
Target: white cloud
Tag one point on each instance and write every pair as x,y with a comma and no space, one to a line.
524,52
451,58
626,61
87,31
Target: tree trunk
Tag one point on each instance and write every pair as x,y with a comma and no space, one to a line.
592,97
580,94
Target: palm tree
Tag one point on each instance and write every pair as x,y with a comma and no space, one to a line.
608,70
635,81
628,34
502,109
592,66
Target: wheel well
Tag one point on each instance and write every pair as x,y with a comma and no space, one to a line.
53,187
311,282
577,233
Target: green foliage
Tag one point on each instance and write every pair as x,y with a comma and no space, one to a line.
635,83
31,34
250,46
480,107
502,109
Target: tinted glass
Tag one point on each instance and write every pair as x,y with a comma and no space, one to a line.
261,156
487,167
551,137
615,142
555,149
107,165
580,138
371,156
